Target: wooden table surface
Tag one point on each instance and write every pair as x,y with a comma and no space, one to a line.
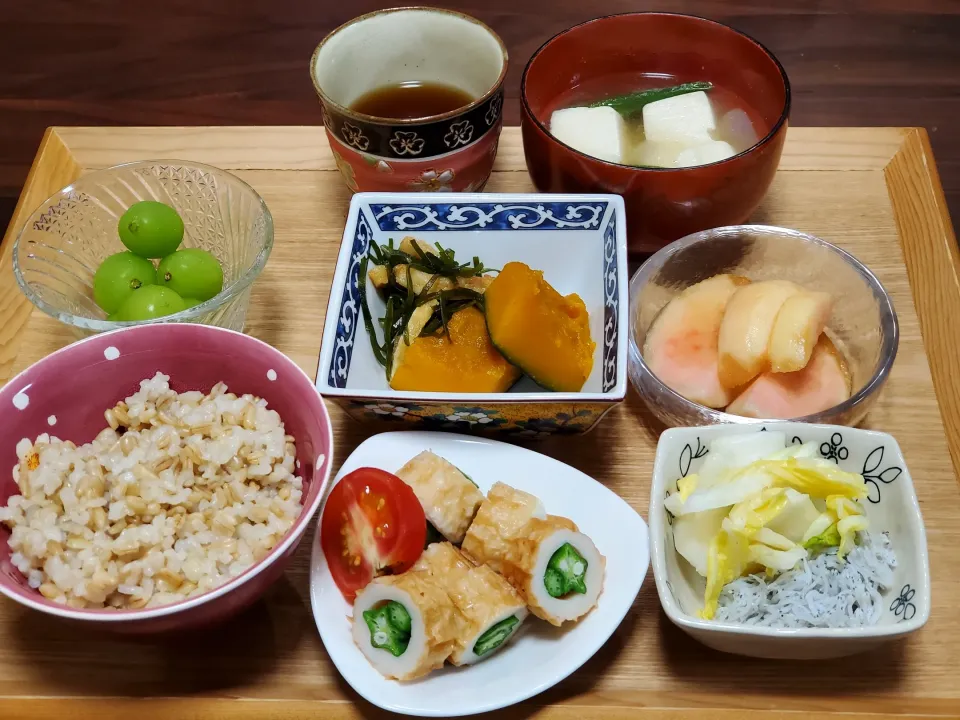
870,190
244,62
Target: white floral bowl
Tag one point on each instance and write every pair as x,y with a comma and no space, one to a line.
579,241
891,507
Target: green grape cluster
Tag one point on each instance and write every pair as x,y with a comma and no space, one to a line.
129,287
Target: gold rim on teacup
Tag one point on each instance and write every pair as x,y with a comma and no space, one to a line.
373,119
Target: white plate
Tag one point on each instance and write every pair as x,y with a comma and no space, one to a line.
542,655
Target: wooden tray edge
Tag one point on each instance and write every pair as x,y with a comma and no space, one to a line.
933,266
53,168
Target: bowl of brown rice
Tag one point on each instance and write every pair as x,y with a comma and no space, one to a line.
157,477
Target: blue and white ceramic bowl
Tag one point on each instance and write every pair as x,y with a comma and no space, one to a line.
578,241
891,507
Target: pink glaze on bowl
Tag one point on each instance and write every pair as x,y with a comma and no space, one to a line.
66,393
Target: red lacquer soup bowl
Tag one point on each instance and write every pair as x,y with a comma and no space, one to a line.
66,394
605,56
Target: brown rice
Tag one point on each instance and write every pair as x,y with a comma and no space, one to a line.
179,494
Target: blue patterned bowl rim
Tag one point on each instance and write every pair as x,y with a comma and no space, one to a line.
479,212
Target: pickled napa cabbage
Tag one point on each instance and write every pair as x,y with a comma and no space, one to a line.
751,504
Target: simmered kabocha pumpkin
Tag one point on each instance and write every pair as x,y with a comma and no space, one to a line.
539,330
466,361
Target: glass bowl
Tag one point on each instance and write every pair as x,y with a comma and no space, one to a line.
863,324
63,243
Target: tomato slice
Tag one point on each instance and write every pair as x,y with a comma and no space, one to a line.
372,525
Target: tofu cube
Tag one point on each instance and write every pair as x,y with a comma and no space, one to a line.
686,119
599,132
709,152
653,154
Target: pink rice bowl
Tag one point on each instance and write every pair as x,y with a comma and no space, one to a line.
66,393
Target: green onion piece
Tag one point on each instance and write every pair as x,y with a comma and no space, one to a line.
444,317
433,324
388,328
495,636
421,298
450,303
401,302
376,253
410,299
633,103
566,572
378,352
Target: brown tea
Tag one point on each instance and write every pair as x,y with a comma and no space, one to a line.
412,99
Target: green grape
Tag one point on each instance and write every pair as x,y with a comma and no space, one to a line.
191,302
151,229
149,302
118,276
192,273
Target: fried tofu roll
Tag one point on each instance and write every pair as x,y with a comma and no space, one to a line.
557,569
500,524
449,498
406,625
493,610
559,572
443,562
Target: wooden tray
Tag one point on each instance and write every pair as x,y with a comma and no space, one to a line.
872,191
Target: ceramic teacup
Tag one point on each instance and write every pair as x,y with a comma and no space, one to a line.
452,151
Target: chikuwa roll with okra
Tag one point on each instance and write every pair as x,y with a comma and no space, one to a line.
492,608
449,498
557,569
406,625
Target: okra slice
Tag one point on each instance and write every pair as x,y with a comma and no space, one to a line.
566,572
389,627
495,636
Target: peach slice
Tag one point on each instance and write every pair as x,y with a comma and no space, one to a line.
796,330
745,330
681,345
823,383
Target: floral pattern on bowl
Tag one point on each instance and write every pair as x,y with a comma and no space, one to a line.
522,420
582,231
891,508
466,170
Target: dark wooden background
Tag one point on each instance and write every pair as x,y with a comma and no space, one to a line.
239,62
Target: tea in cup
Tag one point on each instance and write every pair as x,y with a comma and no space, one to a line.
412,100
